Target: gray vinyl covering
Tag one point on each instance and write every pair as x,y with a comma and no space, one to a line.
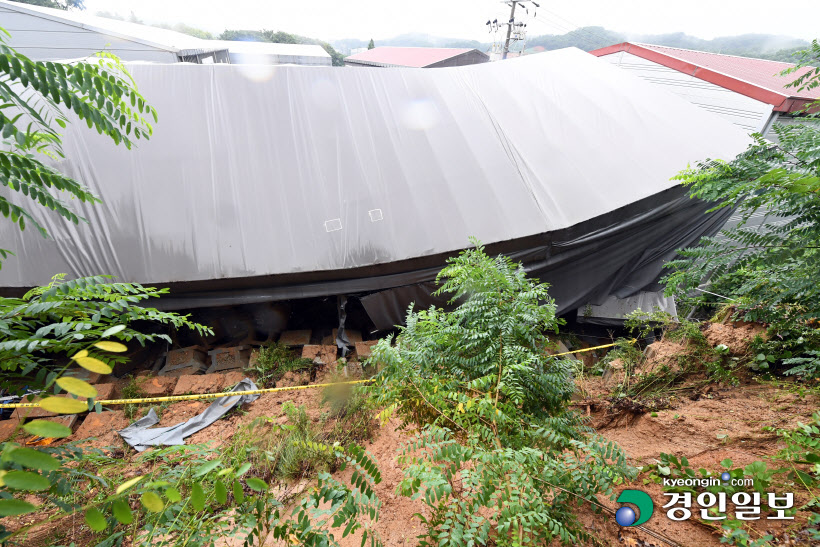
280,182
141,435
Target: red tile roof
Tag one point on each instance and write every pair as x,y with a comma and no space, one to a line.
756,78
417,57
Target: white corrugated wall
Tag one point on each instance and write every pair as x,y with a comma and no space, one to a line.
43,39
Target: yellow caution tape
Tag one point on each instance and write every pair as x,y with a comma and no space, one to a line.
590,349
173,398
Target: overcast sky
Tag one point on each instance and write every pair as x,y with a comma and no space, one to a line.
334,19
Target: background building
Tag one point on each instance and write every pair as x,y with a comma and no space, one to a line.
748,92
46,34
416,57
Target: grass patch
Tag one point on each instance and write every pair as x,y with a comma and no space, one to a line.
131,390
297,449
274,361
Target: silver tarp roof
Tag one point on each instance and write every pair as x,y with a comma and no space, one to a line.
270,177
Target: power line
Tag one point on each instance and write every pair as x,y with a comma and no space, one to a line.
516,31
590,33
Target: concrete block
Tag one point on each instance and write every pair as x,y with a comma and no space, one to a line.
33,412
324,354
353,335
96,425
139,358
105,391
354,368
7,428
293,338
253,359
69,421
230,379
156,386
364,349
199,383
184,361
87,375
223,359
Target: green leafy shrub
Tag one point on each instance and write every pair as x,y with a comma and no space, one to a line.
189,497
131,390
695,357
287,451
352,410
275,360
289,448
627,351
790,347
499,456
769,272
38,331
67,322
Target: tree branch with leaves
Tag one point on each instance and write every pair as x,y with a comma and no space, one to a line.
35,100
769,271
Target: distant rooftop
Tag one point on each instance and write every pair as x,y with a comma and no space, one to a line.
270,48
416,57
178,43
756,78
153,36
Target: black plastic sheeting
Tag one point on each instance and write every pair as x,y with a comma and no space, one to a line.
620,254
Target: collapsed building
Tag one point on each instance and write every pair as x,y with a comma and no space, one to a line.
289,183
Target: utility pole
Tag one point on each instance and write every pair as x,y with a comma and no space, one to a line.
520,28
509,30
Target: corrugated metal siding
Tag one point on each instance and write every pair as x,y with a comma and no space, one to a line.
42,39
469,58
239,58
745,112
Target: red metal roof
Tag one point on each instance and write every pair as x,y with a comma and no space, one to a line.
417,57
756,78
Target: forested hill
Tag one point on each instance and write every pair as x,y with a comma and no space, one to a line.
764,46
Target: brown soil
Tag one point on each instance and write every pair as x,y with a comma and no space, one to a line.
726,423
737,336
662,355
397,525
707,424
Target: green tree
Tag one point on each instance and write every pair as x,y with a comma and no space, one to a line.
770,271
186,29
132,18
371,45
56,4
36,97
500,458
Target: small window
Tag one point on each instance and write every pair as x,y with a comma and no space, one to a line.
333,225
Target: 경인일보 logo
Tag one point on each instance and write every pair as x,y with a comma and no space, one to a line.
625,516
